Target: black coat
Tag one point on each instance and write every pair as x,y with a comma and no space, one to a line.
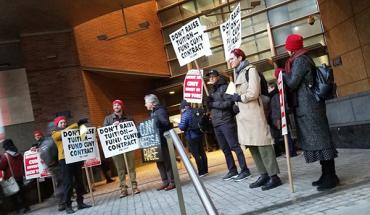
160,116
221,104
313,127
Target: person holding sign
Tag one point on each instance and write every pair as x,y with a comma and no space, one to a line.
115,118
253,130
312,123
194,137
223,120
159,113
70,172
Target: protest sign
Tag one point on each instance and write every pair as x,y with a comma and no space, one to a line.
151,154
193,86
77,149
93,162
231,32
118,139
284,128
149,134
31,160
190,42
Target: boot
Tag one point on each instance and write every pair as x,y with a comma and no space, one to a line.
82,205
263,179
319,181
272,183
69,209
330,179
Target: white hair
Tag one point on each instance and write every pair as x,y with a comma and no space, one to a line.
152,98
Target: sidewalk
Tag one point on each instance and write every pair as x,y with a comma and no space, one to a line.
231,197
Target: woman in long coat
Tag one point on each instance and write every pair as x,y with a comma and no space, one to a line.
313,127
253,130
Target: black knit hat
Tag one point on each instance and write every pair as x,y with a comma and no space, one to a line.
9,145
213,72
183,104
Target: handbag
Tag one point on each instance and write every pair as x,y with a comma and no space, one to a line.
10,186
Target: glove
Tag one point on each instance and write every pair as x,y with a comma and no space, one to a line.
277,71
82,121
236,109
236,98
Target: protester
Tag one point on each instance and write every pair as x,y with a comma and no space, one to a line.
38,135
253,130
275,123
160,115
115,118
313,128
223,121
71,173
105,163
13,158
194,138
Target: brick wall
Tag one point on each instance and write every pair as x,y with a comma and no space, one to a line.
347,29
141,52
54,77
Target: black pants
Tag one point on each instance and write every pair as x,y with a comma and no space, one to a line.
164,166
227,138
197,150
72,175
19,199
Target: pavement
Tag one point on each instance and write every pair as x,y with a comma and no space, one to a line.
352,196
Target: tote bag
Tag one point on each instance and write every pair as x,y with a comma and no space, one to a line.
10,186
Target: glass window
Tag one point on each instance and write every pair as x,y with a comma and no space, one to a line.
164,3
307,42
170,52
217,56
215,37
169,16
255,44
254,24
247,4
170,30
205,4
188,9
176,69
291,11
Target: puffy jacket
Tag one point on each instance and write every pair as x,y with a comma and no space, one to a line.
16,161
185,123
221,104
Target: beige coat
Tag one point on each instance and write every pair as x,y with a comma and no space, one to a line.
253,129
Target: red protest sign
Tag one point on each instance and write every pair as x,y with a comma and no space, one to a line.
31,164
193,86
284,128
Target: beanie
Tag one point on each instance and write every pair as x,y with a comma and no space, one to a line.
38,132
117,101
183,104
56,120
294,42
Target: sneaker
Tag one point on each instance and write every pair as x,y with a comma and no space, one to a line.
170,187
69,210
202,175
162,187
123,194
229,176
136,191
242,176
61,207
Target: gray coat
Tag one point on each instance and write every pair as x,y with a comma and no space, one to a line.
313,127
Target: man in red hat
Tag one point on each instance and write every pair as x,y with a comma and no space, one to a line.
115,118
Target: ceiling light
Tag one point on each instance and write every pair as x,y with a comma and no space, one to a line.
296,28
172,92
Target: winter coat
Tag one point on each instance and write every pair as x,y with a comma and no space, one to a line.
111,118
275,112
16,161
162,121
57,137
313,127
221,104
185,123
253,129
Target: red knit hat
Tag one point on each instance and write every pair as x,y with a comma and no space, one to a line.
117,101
38,132
56,120
294,42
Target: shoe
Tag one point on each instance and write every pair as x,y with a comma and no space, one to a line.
110,180
202,175
61,207
27,209
328,182
262,180
170,187
229,176
242,176
136,191
123,194
69,210
272,183
319,182
162,187
83,206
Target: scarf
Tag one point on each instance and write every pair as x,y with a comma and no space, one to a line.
241,66
289,62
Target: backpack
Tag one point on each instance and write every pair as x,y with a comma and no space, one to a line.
199,120
49,152
323,81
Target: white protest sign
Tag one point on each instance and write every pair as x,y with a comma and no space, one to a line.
190,42
193,86
284,128
31,160
118,139
75,148
231,32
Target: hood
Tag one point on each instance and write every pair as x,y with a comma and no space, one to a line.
220,82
